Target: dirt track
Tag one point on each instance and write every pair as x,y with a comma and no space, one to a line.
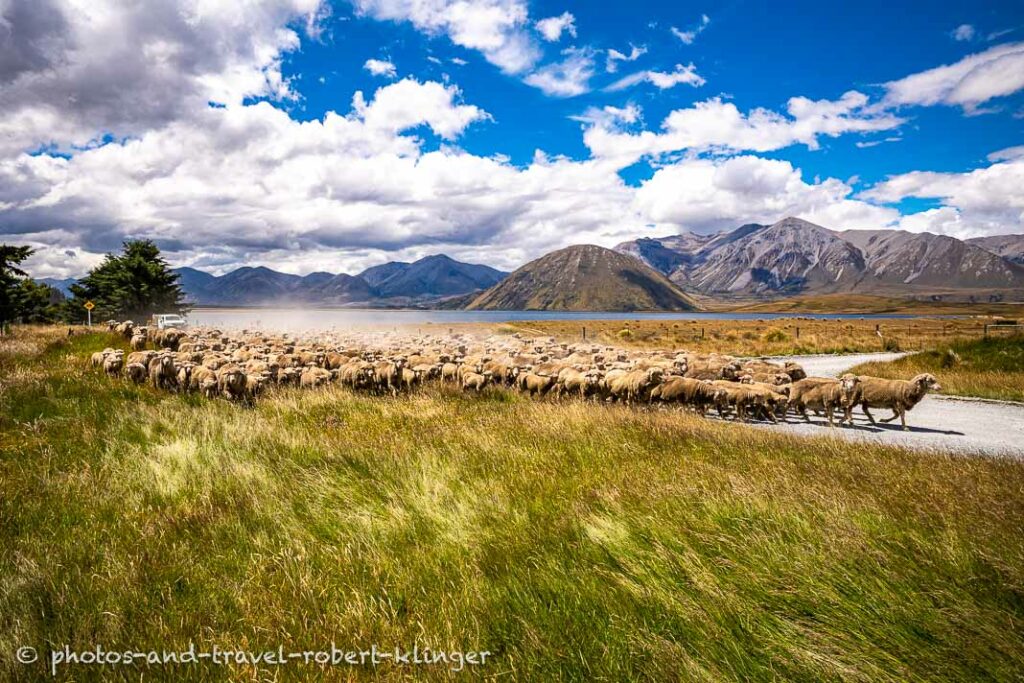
942,423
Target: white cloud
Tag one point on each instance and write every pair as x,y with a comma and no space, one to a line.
1007,154
614,57
409,103
458,61
247,184
609,115
974,80
963,33
567,78
553,27
496,28
691,35
661,80
706,195
945,220
987,200
69,70
720,126
864,144
381,67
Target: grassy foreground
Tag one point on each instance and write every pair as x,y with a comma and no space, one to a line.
987,368
573,541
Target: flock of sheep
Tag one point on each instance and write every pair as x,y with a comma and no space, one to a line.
240,366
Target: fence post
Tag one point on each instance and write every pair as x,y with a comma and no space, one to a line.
584,333
702,333
798,333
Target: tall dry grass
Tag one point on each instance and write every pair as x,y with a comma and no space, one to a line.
574,541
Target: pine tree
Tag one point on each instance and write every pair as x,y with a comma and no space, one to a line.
133,284
11,276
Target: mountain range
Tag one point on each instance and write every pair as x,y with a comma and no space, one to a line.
794,256
788,258
423,282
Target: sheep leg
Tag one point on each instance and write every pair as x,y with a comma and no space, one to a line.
903,419
828,411
895,414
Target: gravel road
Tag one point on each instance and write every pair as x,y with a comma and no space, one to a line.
940,423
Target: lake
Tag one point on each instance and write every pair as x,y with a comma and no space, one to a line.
321,319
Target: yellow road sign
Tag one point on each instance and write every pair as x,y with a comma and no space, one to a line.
89,305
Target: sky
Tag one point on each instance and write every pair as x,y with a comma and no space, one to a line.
318,135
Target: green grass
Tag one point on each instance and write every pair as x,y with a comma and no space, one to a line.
987,368
574,541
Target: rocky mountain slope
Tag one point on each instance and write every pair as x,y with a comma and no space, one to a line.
584,278
922,259
795,256
1010,247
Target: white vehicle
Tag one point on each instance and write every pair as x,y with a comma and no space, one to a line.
165,320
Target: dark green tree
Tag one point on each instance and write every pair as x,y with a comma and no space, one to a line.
11,277
38,303
133,284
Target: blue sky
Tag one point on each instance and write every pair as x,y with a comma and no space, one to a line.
348,133
756,54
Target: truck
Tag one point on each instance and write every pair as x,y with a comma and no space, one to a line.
162,321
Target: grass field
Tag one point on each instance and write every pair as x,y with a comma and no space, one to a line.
987,368
866,303
573,541
784,336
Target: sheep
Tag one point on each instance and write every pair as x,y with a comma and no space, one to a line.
475,380
739,396
255,384
97,359
203,380
184,374
357,374
534,384
711,367
897,394
386,374
449,372
162,372
825,395
136,372
138,342
142,357
410,377
113,362
794,370
503,373
634,385
314,377
231,382
571,380
698,393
